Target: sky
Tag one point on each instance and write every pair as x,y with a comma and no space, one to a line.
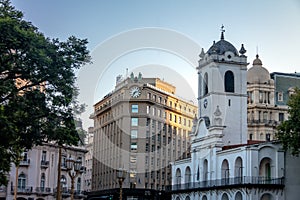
163,38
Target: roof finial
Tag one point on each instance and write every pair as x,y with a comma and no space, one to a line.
222,32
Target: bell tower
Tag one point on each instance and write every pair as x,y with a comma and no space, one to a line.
222,90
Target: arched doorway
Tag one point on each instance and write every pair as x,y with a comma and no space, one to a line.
178,178
238,170
225,172
188,174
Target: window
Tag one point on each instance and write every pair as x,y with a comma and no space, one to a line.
133,159
229,81
134,121
44,155
280,96
250,136
205,84
260,97
133,146
149,95
78,186
148,109
134,134
159,113
281,117
42,184
22,181
268,137
153,111
154,97
63,162
170,117
170,103
134,108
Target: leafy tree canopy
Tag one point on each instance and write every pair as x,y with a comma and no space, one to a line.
36,87
289,130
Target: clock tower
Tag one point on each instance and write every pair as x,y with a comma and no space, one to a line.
222,90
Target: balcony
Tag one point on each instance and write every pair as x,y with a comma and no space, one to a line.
44,164
24,163
23,190
229,183
43,191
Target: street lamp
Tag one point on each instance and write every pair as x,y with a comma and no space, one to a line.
121,175
74,169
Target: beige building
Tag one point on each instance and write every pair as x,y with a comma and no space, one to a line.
142,126
37,174
89,160
266,107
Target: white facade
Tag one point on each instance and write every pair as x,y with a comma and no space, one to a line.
37,174
222,164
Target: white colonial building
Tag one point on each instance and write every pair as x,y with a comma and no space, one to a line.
224,164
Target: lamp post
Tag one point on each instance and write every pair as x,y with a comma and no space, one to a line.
121,175
74,169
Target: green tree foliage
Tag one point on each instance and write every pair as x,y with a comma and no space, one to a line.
40,109
289,131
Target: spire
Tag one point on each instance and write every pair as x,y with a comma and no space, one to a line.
222,32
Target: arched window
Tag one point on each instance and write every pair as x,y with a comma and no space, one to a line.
205,170
22,181
229,81
178,176
42,184
238,196
204,197
205,84
225,197
78,186
187,198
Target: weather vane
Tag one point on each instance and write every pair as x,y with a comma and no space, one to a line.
222,28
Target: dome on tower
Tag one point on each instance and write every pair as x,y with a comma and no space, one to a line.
221,47
257,73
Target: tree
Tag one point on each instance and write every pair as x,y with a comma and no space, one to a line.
36,87
289,131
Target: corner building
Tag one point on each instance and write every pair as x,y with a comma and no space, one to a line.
141,126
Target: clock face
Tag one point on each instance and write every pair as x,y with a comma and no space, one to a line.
205,102
135,92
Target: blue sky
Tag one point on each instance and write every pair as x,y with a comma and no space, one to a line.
271,26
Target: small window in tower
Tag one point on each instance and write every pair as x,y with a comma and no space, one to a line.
205,84
229,81
229,102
